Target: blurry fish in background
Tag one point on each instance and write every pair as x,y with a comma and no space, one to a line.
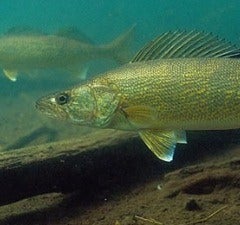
23,50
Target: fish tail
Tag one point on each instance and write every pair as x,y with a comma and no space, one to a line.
119,49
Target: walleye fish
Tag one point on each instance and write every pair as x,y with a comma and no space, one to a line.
26,51
180,81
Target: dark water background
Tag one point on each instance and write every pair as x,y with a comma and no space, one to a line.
101,20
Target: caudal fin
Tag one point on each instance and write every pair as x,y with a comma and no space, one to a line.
119,48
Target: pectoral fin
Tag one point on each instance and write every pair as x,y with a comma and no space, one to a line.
141,116
11,74
162,143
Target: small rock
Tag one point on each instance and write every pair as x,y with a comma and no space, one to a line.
192,205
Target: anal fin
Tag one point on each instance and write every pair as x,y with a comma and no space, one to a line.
162,143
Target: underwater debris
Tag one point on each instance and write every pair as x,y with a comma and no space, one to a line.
208,217
153,221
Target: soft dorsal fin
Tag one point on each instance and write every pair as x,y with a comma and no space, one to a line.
73,33
186,45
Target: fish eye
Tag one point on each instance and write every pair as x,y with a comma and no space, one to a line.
62,98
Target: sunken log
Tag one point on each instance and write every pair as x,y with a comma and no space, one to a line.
59,166
103,159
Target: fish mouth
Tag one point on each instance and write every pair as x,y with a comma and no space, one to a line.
45,107
50,109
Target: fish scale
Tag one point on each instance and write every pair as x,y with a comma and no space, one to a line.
190,91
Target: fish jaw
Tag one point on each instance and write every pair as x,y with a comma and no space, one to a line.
47,106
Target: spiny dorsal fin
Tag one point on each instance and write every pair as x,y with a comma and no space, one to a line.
186,45
73,33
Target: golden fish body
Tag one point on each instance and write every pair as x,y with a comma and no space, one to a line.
180,81
185,94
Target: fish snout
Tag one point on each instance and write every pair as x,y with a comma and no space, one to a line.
49,107
45,107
